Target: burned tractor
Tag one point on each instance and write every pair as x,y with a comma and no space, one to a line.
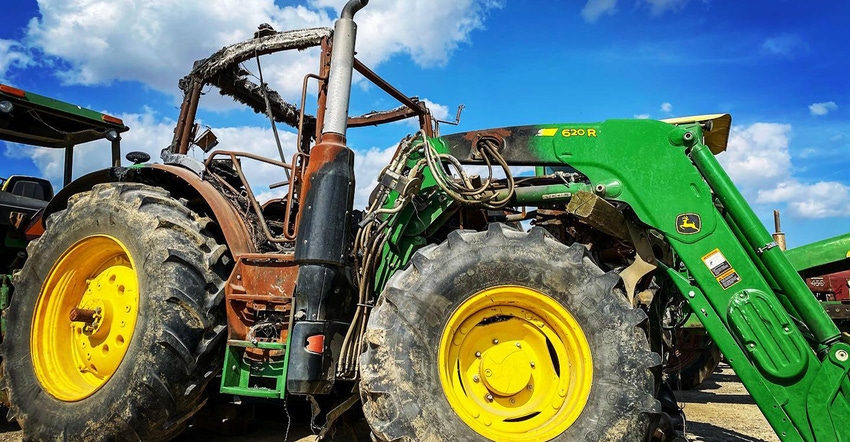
434,308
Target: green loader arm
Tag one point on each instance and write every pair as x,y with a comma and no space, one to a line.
745,291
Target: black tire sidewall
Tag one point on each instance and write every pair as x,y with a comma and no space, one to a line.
127,399
419,301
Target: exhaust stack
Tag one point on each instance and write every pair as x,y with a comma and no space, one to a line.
327,200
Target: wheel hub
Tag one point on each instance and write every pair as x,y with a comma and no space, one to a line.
505,369
84,318
515,365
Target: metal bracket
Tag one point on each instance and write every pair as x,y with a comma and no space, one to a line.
760,251
186,161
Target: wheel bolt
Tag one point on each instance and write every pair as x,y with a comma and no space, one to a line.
530,387
475,378
489,398
532,364
82,315
513,401
518,345
495,341
477,354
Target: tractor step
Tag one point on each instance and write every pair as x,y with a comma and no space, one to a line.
251,369
259,309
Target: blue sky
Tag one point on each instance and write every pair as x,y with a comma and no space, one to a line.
779,67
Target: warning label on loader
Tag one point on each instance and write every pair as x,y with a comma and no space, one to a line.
723,272
716,262
729,279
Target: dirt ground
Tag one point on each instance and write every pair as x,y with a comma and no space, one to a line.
720,411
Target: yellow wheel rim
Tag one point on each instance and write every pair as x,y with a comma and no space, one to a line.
515,365
84,318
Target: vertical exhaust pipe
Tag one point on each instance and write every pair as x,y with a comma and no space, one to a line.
342,64
327,199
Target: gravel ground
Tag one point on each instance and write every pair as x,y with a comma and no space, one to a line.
720,411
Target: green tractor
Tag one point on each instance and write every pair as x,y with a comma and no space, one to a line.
434,308
32,119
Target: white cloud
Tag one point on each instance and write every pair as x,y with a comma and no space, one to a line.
659,7
428,31
786,45
808,152
12,55
759,162
758,155
666,107
594,9
820,109
641,116
813,200
438,111
367,166
155,43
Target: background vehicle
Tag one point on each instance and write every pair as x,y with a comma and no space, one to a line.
433,307
33,119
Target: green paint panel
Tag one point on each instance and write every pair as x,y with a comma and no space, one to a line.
761,324
621,155
61,106
253,378
834,251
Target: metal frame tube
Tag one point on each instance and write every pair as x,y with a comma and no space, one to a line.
342,64
754,232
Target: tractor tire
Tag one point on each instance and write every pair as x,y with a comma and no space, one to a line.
506,335
116,323
694,362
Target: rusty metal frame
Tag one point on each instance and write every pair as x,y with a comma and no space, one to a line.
234,156
231,223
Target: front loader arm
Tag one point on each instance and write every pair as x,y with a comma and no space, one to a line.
776,336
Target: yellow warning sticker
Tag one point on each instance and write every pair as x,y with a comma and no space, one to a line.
723,272
549,132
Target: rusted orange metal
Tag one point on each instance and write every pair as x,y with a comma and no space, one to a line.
261,285
187,124
236,233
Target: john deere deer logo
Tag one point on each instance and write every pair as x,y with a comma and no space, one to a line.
688,223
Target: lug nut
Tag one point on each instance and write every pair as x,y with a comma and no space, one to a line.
477,354
475,378
495,341
489,398
532,364
518,345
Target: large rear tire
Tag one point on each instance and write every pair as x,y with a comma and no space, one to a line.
506,335
143,277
